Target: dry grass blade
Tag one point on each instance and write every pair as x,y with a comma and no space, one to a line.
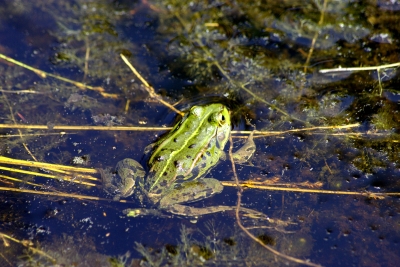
273,133
47,193
60,194
36,134
148,88
18,180
141,128
340,69
83,127
251,184
22,92
44,74
65,178
69,173
12,161
376,68
314,40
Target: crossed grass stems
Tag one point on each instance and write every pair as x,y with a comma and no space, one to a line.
87,176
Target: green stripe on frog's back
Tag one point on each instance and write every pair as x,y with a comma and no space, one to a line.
174,154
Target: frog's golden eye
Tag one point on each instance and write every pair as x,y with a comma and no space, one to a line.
221,119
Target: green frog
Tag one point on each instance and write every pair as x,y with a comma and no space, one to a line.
178,163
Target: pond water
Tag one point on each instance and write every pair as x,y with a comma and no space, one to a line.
328,140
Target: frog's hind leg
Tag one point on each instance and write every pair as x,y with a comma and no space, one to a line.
184,210
188,211
191,191
198,189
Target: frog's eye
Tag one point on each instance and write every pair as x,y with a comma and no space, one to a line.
221,119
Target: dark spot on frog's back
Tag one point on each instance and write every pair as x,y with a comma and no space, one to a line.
163,183
180,178
208,153
158,191
192,146
177,164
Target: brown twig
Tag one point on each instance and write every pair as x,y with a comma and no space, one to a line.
314,40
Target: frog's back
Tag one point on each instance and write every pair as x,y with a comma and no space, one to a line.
188,151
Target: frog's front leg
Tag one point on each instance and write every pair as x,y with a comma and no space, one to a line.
122,182
244,153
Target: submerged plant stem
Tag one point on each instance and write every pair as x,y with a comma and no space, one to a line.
19,131
28,245
240,190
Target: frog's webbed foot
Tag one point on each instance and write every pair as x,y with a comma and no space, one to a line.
144,212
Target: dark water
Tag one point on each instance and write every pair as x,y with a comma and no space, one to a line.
254,57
